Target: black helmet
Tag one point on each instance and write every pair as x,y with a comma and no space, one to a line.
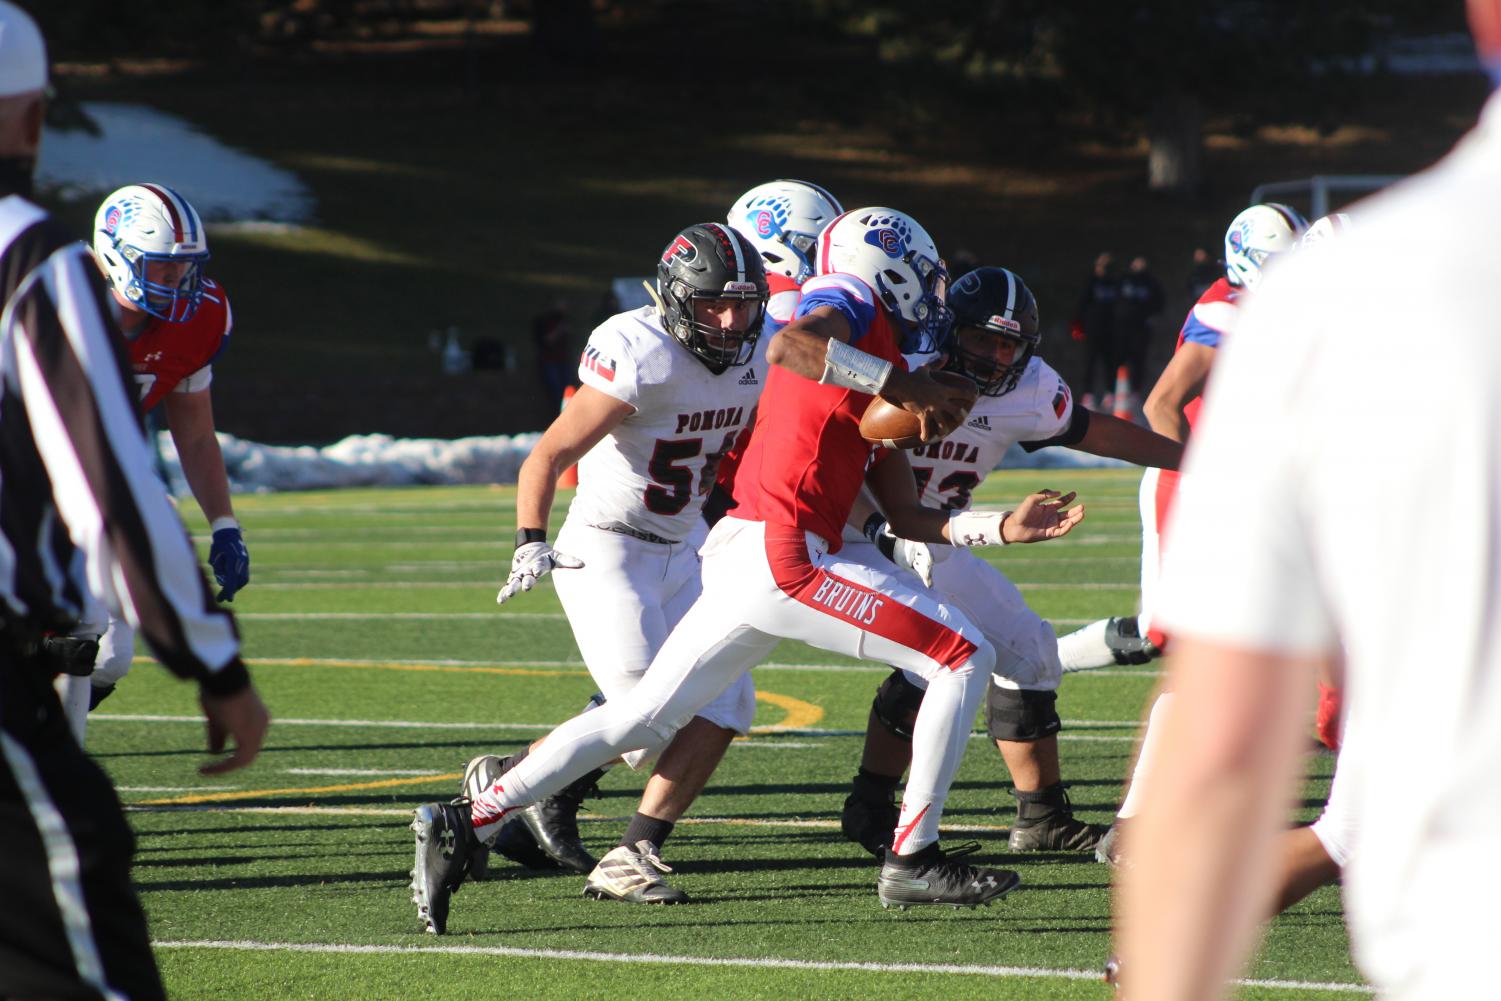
711,261
997,300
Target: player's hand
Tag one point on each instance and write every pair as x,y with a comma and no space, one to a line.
531,563
230,561
913,556
240,718
939,406
1041,516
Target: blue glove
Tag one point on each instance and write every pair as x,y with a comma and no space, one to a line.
230,561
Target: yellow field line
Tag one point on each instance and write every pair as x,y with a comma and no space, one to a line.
800,715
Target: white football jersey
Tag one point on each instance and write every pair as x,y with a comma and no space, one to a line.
1040,407
654,470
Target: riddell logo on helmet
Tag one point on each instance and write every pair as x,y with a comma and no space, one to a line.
889,240
1001,321
681,247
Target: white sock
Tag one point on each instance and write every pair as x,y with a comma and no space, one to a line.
1085,649
1149,750
939,738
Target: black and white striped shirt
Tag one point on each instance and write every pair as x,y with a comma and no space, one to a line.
80,508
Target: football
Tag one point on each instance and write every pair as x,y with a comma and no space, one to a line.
889,425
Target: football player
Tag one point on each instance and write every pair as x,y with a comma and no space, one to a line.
666,390
151,247
771,570
1255,238
1022,401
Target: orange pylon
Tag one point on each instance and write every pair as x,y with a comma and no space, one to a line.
1123,393
570,476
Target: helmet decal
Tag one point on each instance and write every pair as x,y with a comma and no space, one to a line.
681,247
765,224
889,240
112,219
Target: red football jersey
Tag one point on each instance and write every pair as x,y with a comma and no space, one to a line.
806,460
164,354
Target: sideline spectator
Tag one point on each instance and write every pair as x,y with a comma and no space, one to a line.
556,360
1095,319
1203,272
1141,301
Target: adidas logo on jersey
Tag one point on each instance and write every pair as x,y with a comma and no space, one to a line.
982,423
749,378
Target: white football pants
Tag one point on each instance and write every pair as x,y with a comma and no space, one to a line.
762,584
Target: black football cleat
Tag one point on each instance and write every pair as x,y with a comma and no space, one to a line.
553,823
932,876
1045,822
445,839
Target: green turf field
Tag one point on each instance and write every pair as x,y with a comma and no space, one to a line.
373,633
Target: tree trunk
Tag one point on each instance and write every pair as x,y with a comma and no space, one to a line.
1175,133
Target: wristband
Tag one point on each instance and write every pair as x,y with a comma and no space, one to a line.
528,535
974,528
854,369
873,526
225,522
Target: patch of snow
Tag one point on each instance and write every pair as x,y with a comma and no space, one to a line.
138,144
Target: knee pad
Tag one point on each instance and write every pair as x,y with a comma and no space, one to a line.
896,704
1021,715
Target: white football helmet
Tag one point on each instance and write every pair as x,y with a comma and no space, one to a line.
150,243
897,258
1327,227
1255,236
783,219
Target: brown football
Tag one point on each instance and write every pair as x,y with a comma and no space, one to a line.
888,424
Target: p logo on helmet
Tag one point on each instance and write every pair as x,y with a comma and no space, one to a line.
682,248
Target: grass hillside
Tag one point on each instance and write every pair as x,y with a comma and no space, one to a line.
472,190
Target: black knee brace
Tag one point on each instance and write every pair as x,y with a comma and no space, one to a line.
896,704
1017,714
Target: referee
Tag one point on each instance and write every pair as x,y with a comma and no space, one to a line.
80,511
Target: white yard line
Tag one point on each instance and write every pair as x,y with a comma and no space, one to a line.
659,959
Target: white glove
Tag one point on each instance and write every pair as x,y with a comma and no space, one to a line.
977,528
913,556
531,563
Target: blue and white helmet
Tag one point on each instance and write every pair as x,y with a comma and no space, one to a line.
897,258
141,225
783,219
1256,236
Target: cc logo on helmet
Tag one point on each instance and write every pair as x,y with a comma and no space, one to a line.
889,240
1238,240
112,219
681,247
766,223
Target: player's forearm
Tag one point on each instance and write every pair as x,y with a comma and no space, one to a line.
1119,439
1166,419
802,346
536,487
203,468
1203,848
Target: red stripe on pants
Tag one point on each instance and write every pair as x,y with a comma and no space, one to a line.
873,611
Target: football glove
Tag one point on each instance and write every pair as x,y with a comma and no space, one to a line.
531,563
230,561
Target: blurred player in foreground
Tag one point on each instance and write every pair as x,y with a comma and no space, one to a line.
1407,592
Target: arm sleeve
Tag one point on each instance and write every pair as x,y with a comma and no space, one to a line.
847,294
140,560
